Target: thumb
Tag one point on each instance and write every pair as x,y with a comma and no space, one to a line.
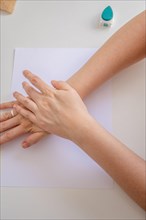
60,85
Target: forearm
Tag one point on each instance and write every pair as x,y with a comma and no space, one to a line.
124,48
52,110
123,165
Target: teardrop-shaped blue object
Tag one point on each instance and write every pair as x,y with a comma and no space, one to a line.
107,14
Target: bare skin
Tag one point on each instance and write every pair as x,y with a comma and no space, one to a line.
52,110
18,125
120,51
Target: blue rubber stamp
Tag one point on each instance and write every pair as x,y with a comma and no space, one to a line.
107,17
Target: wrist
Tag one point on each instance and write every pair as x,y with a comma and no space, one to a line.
83,130
74,82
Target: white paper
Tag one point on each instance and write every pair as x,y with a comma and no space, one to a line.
54,161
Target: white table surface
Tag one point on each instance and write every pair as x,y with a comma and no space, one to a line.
39,23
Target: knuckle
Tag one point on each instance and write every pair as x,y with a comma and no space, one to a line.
26,102
44,101
3,125
35,108
8,136
8,115
55,94
19,107
52,94
34,80
29,89
27,115
42,124
4,116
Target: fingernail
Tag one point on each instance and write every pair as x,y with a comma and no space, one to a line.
25,72
25,144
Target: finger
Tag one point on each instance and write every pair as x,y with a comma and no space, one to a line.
7,115
25,101
32,93
61,85
37,82
25,113
12,134
5,125
6,105
33,139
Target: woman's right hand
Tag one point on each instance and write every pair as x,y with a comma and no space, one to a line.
57,110
13,126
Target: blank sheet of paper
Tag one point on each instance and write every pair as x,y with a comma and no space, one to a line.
54,161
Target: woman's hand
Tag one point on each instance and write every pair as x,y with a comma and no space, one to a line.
59,111
16,125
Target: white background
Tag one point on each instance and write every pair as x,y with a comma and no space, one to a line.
74,24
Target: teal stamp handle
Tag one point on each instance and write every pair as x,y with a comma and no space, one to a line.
107,16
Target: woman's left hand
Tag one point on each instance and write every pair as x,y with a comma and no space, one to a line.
13,125
57,110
